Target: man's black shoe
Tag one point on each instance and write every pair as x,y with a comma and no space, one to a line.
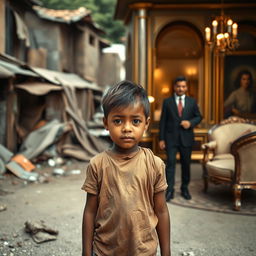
185,194
169,195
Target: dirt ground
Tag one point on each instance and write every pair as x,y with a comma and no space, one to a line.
59,201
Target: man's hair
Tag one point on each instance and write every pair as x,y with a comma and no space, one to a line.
179,79
124,94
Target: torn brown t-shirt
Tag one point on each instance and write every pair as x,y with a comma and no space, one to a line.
125,185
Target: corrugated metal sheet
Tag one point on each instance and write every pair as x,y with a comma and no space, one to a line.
68,79
38,88
16,69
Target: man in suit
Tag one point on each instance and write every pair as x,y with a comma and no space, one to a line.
180,114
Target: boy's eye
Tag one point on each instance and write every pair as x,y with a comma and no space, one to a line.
117,121
136,121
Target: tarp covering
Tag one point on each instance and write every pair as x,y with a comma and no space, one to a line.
38,140
22,30
88,144
5,73
38,88
69,79
16,69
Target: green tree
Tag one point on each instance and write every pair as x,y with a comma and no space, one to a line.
102,13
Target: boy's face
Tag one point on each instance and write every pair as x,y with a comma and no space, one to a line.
126,126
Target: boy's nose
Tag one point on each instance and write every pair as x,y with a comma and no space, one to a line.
126,127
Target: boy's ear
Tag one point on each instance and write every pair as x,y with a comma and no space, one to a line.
105,123
147,123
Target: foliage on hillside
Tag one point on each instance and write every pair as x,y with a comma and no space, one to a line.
102,13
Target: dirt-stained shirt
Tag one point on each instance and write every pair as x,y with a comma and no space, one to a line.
125,185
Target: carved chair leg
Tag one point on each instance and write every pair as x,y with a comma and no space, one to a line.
237,197
205,184
205,178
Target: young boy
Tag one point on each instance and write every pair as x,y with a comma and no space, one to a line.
125,212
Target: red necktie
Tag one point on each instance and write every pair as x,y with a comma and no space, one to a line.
180,107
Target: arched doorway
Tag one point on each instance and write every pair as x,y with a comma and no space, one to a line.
179,51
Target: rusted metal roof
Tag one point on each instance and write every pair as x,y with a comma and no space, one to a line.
68,79
65,16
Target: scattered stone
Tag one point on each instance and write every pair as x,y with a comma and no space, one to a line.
43,179
58,171
19,244
3,207
15,235
51,162
59,161
40,232
75,172
188,253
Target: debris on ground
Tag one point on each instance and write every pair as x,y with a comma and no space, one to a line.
188,253
20,172
75,172
4,192
40,232
3,207
58,171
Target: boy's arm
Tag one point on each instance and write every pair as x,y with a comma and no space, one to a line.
163,226
90,210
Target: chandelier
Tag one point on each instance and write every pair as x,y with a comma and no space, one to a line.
223,34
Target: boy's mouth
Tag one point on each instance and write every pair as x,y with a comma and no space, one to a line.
127,138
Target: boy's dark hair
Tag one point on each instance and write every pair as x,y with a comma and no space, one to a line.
179,79
124,94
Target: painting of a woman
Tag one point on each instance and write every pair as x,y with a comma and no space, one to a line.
242,100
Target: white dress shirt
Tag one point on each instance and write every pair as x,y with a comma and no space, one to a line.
177,99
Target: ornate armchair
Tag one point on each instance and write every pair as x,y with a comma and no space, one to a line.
230,156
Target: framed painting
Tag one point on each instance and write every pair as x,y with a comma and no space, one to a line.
239,86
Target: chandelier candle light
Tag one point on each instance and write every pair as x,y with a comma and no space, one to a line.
223,36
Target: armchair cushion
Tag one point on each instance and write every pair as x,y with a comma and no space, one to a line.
223,156
224,168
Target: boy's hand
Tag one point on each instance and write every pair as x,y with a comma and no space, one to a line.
163,226
162,144
88,224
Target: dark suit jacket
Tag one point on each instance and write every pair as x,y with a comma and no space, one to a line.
170,129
